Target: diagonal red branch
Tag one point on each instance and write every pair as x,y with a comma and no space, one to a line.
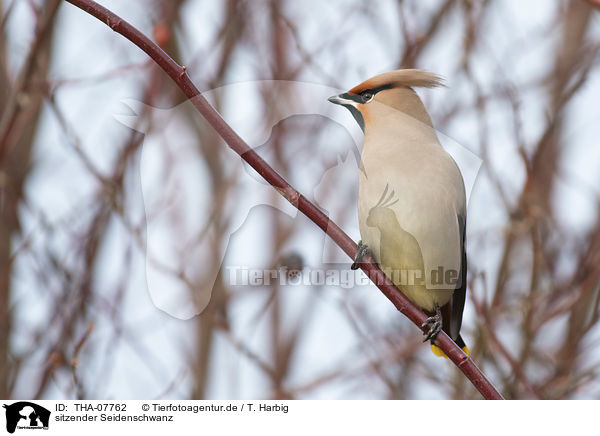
180,77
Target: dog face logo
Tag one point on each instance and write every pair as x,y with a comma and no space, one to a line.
26,415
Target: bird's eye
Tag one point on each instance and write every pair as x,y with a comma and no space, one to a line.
366,96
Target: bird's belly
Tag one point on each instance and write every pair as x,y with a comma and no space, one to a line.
425,298
402,245
402,263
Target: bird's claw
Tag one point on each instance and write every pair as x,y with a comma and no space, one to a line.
435,325
362,251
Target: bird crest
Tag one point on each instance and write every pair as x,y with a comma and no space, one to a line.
400,78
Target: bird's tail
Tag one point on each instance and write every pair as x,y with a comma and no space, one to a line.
459,341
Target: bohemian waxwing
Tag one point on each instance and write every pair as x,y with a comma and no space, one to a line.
411,199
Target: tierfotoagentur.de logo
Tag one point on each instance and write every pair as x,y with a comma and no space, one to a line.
24,415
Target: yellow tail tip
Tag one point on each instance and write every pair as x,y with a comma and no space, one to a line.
438,351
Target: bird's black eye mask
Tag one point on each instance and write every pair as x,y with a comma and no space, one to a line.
362,98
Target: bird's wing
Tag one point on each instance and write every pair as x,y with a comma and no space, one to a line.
460,293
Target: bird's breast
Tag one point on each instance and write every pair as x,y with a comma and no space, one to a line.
422,192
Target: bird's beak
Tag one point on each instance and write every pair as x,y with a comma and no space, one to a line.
338,99
347,101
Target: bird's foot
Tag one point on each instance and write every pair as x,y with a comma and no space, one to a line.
363,250
435,325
